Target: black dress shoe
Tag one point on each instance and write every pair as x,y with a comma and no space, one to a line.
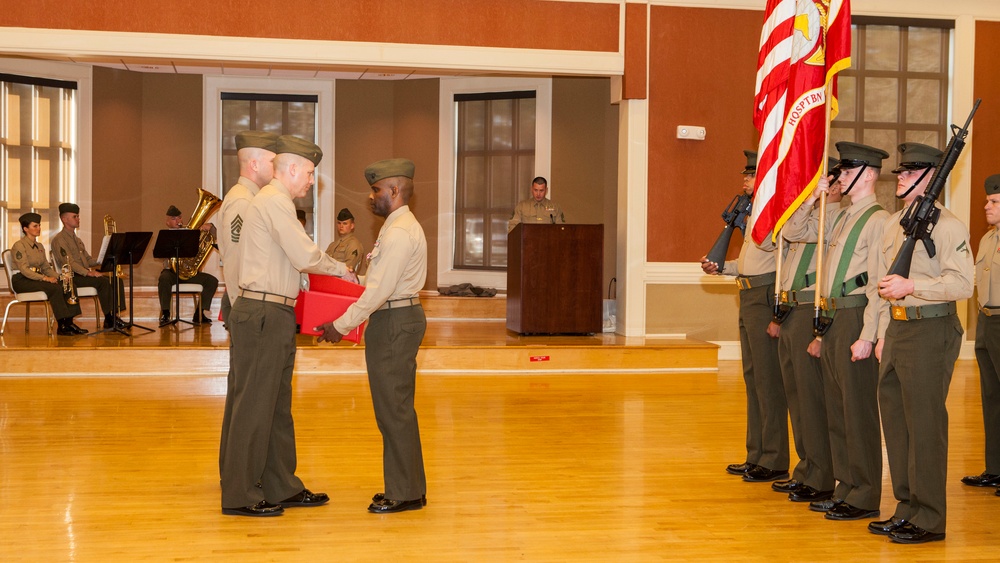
65,329
262,508
164,318
76,329
381,496
115,322
885,527
387,506
786,486
739,468
201,318
844,511
306,498
910,533
984,479
761,474
805,493
824,505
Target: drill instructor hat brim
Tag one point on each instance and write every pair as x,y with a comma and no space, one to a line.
290,144
257,139
389,169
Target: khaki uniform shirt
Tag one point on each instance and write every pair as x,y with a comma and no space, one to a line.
69,249
276,247
29,257
397,268
946,277
753,259
347,249
988,269
796,235
531,211
233,213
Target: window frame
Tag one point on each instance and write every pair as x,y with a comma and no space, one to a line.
447,273
214,86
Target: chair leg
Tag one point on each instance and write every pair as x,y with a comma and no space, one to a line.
6,311
197,307
97,313
49,317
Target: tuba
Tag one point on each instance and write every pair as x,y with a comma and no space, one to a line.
187,268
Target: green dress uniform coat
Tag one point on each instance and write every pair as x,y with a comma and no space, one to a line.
918,360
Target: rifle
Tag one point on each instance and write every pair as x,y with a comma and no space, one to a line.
735,215
921,216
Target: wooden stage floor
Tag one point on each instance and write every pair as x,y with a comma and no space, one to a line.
526,467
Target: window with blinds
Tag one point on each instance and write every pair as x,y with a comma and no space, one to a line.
38,131
277,113
895,91
495,163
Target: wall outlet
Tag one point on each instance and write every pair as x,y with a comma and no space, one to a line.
692,132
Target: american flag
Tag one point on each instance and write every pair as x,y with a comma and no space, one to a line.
803,45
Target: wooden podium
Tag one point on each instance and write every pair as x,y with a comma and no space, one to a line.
554,277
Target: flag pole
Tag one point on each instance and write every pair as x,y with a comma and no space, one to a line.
822,204
777,274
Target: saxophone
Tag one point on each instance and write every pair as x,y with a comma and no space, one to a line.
69,288
187,268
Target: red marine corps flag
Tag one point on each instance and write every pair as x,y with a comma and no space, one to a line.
803,45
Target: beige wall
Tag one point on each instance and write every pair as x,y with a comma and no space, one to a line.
702,312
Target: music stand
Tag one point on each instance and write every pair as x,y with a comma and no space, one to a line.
177,244
125,248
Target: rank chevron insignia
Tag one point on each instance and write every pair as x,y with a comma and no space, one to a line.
234,228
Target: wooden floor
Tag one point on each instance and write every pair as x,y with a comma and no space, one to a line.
534,467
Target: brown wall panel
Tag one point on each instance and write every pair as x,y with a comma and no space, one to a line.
584,159
702,69
582,26
634,81
117,151
986,126
415,135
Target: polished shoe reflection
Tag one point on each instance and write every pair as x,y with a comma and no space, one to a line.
739,468
885,527
306,498
824,505
382,505
786,486
806,493
844,511
910,533
761,474
262,508
984,479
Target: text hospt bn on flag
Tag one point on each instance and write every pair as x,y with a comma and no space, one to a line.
803,45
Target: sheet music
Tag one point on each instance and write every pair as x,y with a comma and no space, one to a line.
104,248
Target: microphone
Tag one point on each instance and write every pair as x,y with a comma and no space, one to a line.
552,218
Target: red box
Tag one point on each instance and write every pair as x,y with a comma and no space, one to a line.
319,308
332,284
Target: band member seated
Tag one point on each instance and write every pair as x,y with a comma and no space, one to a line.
165,284
347,248
36,274
68,249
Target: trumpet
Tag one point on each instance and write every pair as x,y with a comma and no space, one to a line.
69,288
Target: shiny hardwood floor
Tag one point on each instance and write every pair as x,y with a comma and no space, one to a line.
535,467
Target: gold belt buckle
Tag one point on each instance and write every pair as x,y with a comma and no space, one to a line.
742,283
987,312
824,304
899,313
784,297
